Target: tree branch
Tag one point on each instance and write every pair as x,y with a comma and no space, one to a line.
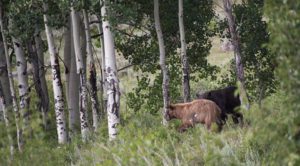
125,67
97,35
94,22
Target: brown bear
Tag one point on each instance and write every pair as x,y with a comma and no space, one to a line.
198,111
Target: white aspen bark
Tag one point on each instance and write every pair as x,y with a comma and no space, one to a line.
22,82
227,4
162,60
11,85
42,78
184,59
103,96
81,71
92,71
113,92
6,121
57,84
72,79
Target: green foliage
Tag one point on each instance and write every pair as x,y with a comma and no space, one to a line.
284,23
148,94
274,131
27,16
258,61
137,42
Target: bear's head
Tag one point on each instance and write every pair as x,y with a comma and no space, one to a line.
170,114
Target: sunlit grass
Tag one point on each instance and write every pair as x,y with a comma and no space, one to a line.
144,141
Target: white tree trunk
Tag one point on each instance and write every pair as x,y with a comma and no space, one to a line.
92,72
11,85
42,78
184,59
113,93
72,79
227,4
162,60
22,82
57,84
81,71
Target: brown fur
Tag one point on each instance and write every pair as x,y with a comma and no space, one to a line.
198,111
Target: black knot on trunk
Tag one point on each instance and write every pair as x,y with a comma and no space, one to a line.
17,44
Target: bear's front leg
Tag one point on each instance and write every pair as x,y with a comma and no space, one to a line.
185,125
238,118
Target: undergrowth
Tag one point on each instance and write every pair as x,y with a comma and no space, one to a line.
264,139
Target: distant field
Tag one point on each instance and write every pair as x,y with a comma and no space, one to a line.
217,56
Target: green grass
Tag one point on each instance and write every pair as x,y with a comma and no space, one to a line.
144,141
264,139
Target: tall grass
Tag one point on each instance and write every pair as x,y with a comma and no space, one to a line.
264,139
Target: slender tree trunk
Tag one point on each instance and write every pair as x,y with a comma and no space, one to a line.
41,73
162,60
92,72
6,120
113,92
22,83
3,74
83,42
11,84
57,84
1,109
184,59
73,92
81,71
4,80
67,56
103,96
34,59
237,52
72,79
